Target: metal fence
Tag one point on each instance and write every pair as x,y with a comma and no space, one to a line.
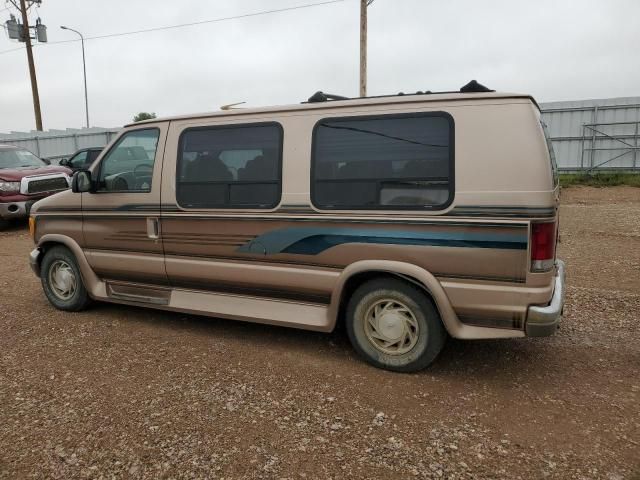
55,145
592,135
588,135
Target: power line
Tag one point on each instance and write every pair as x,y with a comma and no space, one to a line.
12,50
246,15
202,22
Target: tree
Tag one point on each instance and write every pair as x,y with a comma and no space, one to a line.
144,116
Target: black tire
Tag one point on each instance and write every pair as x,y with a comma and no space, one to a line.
428,334
53,258
3,224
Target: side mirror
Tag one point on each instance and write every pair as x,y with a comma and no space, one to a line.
81,182
64,162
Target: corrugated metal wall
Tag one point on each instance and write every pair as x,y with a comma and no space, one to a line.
595,134
587,134
57,144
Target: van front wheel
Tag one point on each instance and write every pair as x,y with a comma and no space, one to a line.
394,325
61,280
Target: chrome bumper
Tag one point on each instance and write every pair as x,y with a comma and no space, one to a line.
34,261
544,321
15,210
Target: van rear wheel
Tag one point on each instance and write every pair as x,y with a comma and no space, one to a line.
394,325
61,280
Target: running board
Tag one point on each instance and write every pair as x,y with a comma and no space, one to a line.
272,311
308,316
127,292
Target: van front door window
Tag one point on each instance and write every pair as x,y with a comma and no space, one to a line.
128,167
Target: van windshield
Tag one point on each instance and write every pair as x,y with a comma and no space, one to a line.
552,154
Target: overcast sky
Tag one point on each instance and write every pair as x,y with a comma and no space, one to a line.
553,49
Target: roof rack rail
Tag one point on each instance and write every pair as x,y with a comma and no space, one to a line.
323,97
472,87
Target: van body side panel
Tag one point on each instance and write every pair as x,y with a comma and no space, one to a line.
493,304
198,253
61,214
503,170
501,157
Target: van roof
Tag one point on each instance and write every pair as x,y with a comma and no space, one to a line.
419,97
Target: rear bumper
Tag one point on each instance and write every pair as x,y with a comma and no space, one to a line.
11,210
543,321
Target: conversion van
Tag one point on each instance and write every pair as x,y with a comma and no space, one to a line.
408,218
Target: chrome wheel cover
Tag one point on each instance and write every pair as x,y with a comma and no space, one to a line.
391,327
62,280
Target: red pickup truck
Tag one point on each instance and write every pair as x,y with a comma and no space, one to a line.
25,179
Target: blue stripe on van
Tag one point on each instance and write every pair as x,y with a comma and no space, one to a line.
312,241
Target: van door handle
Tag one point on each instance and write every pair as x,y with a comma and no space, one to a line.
153,228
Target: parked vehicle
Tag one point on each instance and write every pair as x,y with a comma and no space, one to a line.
24,179
408,217
81,159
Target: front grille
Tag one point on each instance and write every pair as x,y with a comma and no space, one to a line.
47,185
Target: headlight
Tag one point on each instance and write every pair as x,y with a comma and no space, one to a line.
9,186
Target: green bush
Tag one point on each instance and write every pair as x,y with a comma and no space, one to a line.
600,179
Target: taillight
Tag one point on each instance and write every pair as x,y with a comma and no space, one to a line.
543,246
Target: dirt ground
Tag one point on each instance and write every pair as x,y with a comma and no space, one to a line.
119,392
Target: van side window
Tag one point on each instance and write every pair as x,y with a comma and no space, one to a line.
230,167
383,162
128,166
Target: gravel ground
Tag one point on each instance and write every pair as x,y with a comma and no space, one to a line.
119,392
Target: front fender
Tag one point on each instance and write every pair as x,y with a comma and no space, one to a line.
92,283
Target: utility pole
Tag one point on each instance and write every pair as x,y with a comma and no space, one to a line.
363,46
32,69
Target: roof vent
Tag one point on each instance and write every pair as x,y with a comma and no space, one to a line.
323,97
475,87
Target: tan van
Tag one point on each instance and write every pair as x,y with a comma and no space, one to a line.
407,217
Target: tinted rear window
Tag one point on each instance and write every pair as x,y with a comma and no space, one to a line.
230,167
384,162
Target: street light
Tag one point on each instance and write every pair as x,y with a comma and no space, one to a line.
84,68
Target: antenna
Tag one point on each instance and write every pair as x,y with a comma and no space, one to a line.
231,106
